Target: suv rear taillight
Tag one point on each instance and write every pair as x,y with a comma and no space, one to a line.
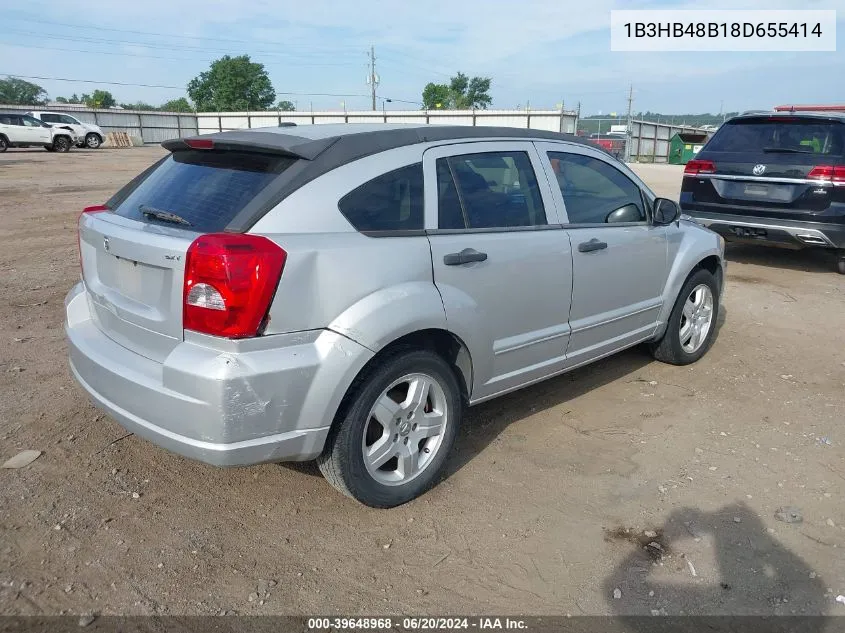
695,167
230,281
827,173
100,208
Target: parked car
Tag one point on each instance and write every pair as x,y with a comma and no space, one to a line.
88,134
773,178
344,292
21,130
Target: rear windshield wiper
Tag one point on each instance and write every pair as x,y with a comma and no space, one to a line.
786,150
163,216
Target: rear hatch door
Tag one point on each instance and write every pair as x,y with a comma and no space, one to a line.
765,164
133,256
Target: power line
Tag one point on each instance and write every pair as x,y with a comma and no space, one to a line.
120,83
181,36
201,49
141,55
91,81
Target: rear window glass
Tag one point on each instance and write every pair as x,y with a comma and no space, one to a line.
787,135
391,202
200,190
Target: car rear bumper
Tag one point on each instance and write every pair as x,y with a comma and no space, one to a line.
791,233
226,408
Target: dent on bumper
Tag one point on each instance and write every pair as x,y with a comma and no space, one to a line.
222,408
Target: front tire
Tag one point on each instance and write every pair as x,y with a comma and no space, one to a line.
61,144
692,323
840,264
93,141
4,144
392,438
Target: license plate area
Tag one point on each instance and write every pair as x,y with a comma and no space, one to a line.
758,191
749,232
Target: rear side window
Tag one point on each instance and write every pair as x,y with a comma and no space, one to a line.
50,118
489,190
391,202
779,135
200,190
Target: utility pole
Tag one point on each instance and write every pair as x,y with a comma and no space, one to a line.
629,127
373,78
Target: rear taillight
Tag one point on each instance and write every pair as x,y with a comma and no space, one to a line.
230,281
100,208
827,173
695,167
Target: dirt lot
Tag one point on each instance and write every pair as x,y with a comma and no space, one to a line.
552,494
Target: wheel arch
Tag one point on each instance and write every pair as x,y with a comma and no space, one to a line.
445,344
690,258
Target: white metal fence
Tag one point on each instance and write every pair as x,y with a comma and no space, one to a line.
151,127
551,120
649,141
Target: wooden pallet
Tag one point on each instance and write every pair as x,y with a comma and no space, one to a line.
118,139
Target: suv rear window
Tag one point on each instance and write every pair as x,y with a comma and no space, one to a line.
205,189
391,202
779,134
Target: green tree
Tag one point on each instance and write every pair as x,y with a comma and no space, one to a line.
14,91
177,105
138,106
62,100
436,96
232,84
285,106
461,93
99,99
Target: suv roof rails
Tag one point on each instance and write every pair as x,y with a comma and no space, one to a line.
287,124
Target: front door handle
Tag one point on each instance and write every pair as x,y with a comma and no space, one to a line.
464,257
592,245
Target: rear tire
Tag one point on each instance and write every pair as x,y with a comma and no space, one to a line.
61,144
395,431
692,323
93,141
840,264
4,144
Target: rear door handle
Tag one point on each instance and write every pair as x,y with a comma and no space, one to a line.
592,245
466,256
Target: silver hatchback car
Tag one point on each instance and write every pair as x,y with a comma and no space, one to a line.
344,292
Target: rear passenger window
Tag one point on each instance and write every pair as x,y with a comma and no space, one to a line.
489,190
391,202
594,191
50,118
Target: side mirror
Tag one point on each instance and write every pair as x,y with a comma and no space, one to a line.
666,211
628,213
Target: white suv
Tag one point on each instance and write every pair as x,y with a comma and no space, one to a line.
89,135
21,130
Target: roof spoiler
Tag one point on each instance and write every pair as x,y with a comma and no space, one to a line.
252,141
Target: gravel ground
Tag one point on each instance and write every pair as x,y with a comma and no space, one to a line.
624,487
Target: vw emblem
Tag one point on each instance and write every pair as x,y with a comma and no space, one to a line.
106,243
758,170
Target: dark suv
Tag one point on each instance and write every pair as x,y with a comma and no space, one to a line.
773,178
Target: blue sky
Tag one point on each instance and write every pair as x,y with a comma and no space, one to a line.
536,51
